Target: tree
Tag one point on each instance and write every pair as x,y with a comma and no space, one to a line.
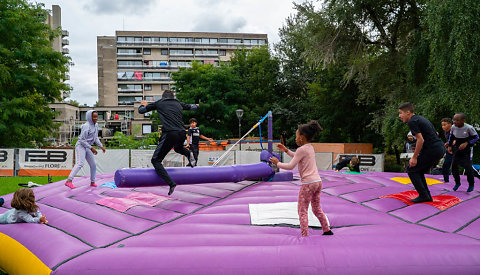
31,74
219,92
313,91
454,41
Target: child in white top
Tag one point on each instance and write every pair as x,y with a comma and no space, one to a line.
23,209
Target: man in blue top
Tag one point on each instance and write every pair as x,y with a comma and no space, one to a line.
173,132
428,150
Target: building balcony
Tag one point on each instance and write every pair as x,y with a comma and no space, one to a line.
65,42
65,33
65,51
144,67
129,55
144,79
130,91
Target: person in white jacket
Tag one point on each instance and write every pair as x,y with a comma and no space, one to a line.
85,151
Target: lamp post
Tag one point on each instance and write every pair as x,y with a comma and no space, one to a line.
239,116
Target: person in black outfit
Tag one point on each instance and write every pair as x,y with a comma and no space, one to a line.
428,150
193,138
447,162
173,132
353,163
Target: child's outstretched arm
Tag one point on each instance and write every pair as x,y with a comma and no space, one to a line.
28,218
206,138
99,143
284,149
288,166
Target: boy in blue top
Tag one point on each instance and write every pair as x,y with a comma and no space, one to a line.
447,162
462,138
428,150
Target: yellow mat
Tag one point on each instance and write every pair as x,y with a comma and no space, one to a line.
406,180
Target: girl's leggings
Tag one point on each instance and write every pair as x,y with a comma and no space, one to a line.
310,193
82,153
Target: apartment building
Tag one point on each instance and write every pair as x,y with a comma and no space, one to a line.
138,65
54,20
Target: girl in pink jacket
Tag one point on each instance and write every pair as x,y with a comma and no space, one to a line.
311,182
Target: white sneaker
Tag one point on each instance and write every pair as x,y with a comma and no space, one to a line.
192,162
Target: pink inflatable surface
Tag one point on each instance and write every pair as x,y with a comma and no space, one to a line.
206,229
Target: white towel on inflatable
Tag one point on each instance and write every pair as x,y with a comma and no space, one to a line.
279,213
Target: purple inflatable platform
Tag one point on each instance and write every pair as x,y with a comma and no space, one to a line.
206,229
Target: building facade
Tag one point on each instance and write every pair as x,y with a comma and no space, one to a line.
138,65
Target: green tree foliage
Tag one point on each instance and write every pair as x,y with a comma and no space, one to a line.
317,90
30,74
454,58
122,141
219,93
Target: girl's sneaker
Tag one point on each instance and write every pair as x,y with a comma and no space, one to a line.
70,185
92,184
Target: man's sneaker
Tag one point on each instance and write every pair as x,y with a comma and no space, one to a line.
191,160
172,188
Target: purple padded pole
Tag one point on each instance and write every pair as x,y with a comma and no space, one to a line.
142,177
270,132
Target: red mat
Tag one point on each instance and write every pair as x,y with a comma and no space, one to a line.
441,202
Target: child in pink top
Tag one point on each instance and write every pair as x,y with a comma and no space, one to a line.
310,179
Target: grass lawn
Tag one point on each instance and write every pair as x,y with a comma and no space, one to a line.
10,184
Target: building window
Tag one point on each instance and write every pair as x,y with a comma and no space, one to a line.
129,63
147,51
146,129
223,40
181,52
129,88
165,87
128,100
148,87
129,51
101,115
164,51
222,52
147,39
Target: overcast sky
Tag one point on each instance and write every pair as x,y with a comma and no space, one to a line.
87,19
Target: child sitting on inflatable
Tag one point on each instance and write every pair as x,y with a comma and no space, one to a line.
353,163
23,209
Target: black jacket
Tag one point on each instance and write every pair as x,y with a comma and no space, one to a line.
170,112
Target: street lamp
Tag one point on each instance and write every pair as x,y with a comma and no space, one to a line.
239,116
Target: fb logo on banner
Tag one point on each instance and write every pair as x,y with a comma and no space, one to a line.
3,156
365,160
45,156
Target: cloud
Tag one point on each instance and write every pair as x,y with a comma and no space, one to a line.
208,22
118,6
